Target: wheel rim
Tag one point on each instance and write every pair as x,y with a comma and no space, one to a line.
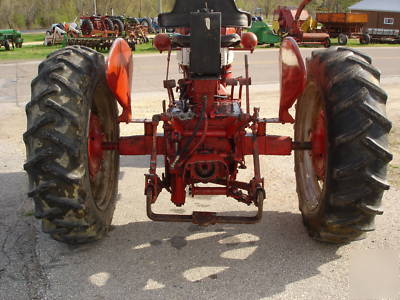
318,142
312,164
102,173
95,148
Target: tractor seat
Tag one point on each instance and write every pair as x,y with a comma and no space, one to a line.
184,41
180,15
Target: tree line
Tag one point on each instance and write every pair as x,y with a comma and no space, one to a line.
27,14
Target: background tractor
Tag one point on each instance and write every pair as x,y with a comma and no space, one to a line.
340,130
100,25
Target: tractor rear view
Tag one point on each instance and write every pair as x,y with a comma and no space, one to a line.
340,130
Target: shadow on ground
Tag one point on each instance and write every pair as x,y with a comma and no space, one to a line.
148,260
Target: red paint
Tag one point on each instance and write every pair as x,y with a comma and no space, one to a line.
229,30
99,27
293,77
209,147
162,42
213,191
95,149
119,76
249,40
319,149
268,145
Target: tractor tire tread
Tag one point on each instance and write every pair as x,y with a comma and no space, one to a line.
67,84
346,171
366,66
377,149
348,197
354,133
378,182
46,92
38,124
356,53
42,187
61,140
42,155
358,132
63,111
349,101
382,95
376,115
369,209
58,171
54,182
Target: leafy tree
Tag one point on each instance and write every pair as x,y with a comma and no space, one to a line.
23,14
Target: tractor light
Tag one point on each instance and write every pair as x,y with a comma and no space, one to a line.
249,41
162,42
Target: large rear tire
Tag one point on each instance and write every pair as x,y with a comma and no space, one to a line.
108,24
87,27
118,26
7,45
148,23
342,112
365,39
73,186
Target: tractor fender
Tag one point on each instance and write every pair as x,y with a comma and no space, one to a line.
119,69
293,76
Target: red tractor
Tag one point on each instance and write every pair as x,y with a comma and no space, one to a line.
101,26
340,130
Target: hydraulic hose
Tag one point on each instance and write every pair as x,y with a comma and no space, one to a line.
183,150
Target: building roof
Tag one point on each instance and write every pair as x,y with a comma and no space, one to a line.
374,5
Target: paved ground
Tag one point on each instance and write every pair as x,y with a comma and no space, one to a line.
144,260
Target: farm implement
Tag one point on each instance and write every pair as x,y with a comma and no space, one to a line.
264,33
289,25
344,26
340,131
100,32
10,38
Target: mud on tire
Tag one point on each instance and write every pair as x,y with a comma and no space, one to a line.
344,85
70,86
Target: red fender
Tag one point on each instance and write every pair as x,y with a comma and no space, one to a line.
119,68
293,77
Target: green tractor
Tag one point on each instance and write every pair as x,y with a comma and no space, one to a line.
10,38
264,33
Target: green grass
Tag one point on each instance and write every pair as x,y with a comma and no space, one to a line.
145,48
356,43
39,52
32,52
33,37
27,52
353,43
